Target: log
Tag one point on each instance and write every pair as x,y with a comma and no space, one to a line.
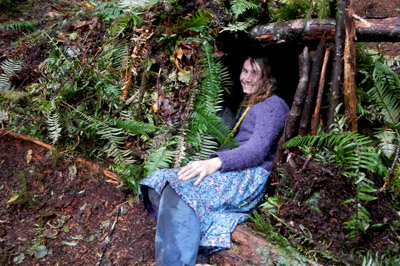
317,110
367,30
349,82
312,86
337,64
251,249
292,121
297,105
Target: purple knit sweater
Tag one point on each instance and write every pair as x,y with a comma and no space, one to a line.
258,135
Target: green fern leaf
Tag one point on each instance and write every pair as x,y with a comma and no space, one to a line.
239,7
159,159
386,92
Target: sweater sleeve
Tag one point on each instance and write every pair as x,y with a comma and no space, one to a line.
270,117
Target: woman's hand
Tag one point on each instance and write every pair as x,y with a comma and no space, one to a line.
199,168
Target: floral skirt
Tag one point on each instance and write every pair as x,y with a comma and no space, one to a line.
220,201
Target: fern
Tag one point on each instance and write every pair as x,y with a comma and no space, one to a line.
239,7
54,127
109,10
350,149
386,92
240,25
133,5
19,25
9,67
159,159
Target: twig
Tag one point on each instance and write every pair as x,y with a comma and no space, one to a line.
317,110
107,240
396,158
306,163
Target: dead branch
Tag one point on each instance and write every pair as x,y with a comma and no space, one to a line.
93,166
295,112
337,64
349,82
367,30
311,90
317,110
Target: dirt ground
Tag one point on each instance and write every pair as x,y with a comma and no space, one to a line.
55,212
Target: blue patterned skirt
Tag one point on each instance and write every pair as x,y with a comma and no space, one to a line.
220,201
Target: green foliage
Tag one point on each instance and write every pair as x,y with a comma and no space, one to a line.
19,25
350,150
158,159
386,92
9,67
293,9
239,7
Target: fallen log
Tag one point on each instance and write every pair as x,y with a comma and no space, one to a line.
367,30
251,249
337,65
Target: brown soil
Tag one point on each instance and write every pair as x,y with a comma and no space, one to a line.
317,202
72,215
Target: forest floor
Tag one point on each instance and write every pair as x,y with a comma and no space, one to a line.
54,211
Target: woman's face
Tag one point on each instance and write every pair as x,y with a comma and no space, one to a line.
250,77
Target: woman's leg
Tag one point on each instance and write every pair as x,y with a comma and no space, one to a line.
178,231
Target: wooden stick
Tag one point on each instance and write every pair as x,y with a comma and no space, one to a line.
311,90
295,112
349,84
317,110
337,64
93,166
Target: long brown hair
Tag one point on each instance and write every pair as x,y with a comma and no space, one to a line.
267,83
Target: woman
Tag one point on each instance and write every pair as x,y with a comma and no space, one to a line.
202,203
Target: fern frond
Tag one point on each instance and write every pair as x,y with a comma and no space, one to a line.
133,5
18,25
133,127
160,159
351,150
240,25
239,7
198,20
386,92
54,127
387,141
109,10
9,67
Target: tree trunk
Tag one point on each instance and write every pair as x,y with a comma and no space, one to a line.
312,86
349,82
337,64
367,30
317,110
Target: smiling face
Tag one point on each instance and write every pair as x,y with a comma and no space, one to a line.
250,77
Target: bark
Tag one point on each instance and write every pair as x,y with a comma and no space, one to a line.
295,112
317,110
312,86
251,249
292,121
349,82
367,30
337,64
